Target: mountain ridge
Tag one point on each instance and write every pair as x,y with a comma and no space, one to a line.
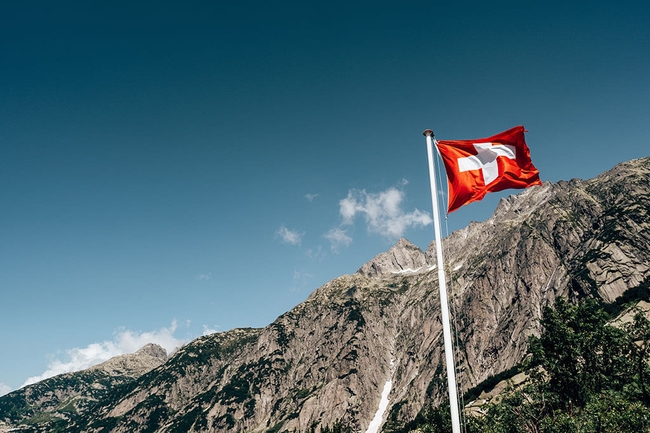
53,400
326,361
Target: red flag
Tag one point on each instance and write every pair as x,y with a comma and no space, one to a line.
476,167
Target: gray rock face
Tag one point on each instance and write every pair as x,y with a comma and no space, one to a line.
153,350
402,258
135,364
327,360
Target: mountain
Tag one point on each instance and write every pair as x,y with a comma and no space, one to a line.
326,362
55,401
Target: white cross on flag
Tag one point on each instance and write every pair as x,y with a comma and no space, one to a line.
476,167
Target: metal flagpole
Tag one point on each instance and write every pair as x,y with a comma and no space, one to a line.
444,307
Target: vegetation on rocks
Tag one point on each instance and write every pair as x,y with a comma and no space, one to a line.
585,375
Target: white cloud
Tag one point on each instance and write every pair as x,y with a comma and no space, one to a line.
311,197
125,341
203,277
382,211
291,237
4,389
315,253
299,275
338,238
207,330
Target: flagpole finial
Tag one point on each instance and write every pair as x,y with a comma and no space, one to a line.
428,133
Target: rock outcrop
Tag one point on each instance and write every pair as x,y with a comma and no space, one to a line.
135,364
404,257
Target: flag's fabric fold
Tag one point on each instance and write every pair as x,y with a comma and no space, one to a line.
476,167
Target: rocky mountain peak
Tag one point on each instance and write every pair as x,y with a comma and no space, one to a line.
135,364
54,400
154,351
518,207
403,257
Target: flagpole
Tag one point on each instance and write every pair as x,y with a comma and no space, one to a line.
444,307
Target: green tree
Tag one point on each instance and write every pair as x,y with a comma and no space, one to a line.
585,376
639,335
579,355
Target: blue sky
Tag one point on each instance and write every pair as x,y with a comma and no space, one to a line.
172,169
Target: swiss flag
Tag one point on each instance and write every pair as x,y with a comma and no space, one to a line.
476,167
